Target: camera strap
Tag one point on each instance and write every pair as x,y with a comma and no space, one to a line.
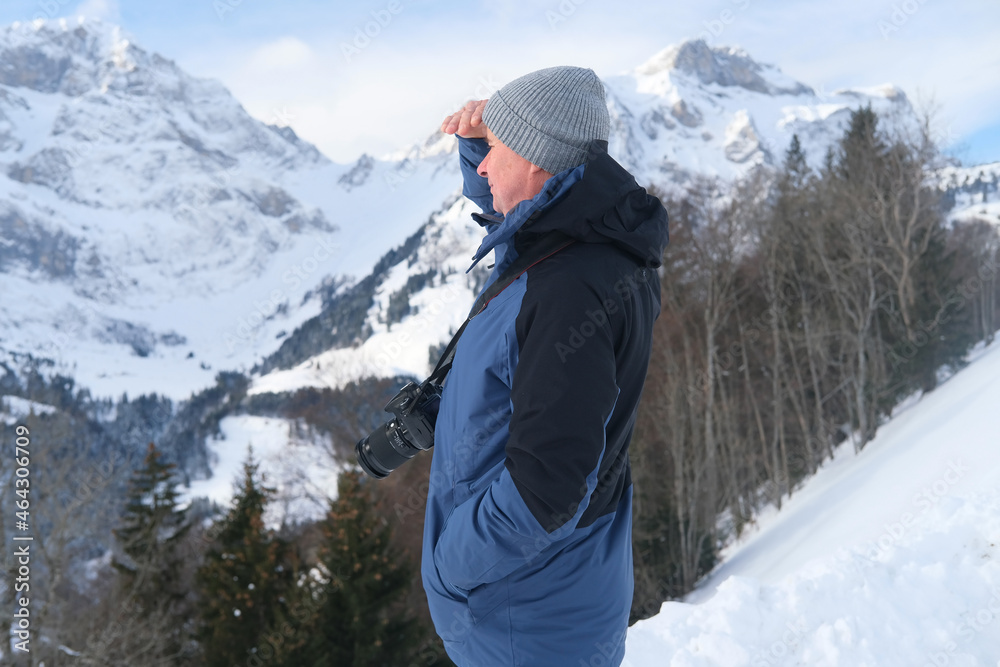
546,246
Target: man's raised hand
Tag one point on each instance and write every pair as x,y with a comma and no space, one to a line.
467,122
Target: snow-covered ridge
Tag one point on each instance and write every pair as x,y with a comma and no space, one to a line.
725,66
95,67
695,109
433,312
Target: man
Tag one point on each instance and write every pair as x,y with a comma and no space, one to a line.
527,554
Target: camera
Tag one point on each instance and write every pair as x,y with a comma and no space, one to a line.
411,430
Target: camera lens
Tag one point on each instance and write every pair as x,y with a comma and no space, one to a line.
384,450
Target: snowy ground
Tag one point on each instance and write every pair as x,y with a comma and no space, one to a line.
884,559
298,466
14,409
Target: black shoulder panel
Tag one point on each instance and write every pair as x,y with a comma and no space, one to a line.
583,336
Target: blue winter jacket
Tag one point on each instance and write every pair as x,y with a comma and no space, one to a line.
527,555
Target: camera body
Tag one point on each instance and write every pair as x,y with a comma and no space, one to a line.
411,430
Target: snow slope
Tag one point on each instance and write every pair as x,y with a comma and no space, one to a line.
13,409
298,466
975,191
436,312
888,557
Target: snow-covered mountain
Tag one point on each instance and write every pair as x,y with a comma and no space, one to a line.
152,233
696,109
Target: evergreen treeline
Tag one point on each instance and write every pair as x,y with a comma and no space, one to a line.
336,598
797,311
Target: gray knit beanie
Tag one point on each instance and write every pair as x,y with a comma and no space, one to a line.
549,117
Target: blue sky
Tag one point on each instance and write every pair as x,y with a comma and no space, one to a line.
297,62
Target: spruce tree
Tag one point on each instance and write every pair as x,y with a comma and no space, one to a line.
151,528
796,167
862,150
150,563
245,577
359,618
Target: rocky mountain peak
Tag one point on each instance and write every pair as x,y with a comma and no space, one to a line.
724,66
109,101
66,56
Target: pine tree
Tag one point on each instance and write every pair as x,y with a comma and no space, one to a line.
152,526
862,149
359,618
796,167
151,565
245,577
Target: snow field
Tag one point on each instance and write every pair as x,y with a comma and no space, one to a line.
299,467
13,409
887,558
933,600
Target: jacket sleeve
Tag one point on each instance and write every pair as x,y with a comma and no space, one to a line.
477,188
563,393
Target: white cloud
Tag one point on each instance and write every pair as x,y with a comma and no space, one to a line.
105,10
281,55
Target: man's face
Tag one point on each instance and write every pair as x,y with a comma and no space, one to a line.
512,178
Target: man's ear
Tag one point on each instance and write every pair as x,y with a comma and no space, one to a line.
536,169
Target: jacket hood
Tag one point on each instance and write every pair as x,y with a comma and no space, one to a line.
597,202
606,206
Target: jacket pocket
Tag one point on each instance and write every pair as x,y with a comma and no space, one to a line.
485,599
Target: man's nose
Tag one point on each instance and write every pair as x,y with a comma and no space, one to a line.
481,169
